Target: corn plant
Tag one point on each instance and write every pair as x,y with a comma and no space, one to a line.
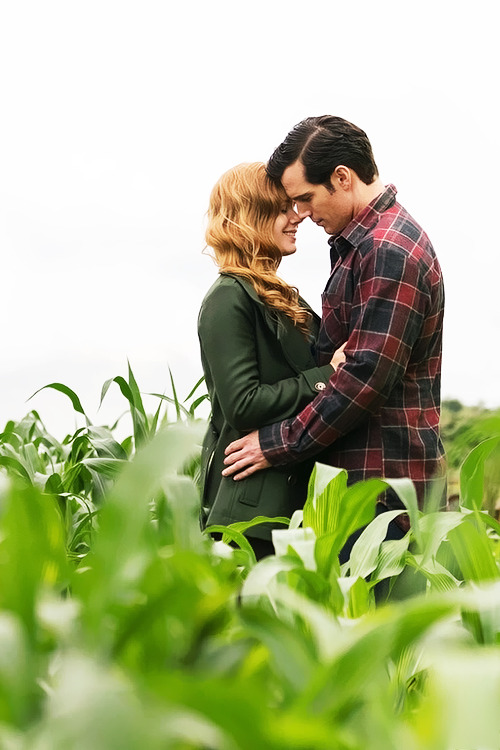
161,638
81,469
155,642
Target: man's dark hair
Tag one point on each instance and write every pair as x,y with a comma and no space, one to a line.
321,144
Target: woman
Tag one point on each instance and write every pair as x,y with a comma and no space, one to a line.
257,337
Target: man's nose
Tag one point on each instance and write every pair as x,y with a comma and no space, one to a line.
294,217
302,211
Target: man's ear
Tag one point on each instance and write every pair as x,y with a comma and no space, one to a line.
342,177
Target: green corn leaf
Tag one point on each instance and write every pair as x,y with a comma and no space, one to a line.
123,386
391,560
9,428
326,551
115,424
438,576
15,464
108,467
299,609
296,519
489,521
67,392
332,507
33,551
179,408
464,685
434,528
80,447
197,402
473,551
176,400
124,546
326,487
293,650
136,394
52,445
195,388
139,419
128,445
9,437
472,474
245,525
306,581
139,422
405,489
299,542
232,535
54,485
357,508
366,550
32,459
105,445
360,657
359,599
335,511
154,422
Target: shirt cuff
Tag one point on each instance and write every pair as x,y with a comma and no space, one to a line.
271,444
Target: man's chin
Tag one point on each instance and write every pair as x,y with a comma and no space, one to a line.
321,225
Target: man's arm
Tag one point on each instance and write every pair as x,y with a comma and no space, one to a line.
245,455
387,315
386,319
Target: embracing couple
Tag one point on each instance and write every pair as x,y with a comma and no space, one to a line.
358,389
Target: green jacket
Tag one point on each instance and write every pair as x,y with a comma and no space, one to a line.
259,369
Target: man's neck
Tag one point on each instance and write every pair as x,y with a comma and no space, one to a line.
365,194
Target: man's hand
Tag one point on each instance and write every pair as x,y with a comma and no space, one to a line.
244,457
338,357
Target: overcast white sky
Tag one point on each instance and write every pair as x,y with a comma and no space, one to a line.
118,117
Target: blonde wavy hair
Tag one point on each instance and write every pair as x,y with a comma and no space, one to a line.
244,205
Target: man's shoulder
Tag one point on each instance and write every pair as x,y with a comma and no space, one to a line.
398,232
398,219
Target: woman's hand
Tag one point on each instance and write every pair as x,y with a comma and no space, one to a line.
339,357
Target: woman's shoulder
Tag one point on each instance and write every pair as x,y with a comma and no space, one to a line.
230,286
228,296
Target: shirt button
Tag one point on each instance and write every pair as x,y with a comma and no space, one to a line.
320,386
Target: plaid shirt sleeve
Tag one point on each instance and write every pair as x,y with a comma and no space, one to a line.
382,322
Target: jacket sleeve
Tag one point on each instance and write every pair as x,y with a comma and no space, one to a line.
226,329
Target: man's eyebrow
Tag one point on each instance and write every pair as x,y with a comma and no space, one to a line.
301,197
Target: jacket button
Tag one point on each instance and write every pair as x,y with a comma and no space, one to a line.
292,479
320,386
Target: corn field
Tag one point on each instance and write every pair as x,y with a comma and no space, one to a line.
124,627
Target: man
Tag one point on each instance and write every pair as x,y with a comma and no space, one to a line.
379,414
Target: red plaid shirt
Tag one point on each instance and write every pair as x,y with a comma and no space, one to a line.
379,414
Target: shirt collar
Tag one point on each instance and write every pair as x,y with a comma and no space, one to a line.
365,220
